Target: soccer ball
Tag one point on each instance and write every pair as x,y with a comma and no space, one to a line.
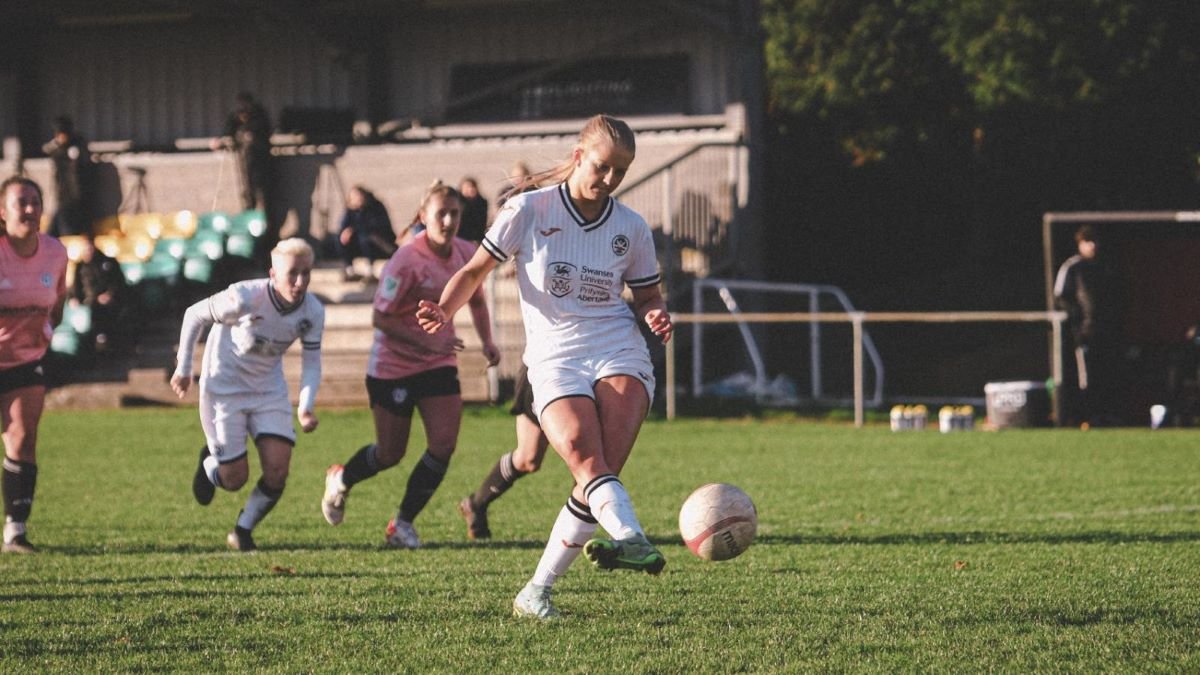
718,521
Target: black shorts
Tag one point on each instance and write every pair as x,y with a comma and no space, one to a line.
523,397
400,396
26,375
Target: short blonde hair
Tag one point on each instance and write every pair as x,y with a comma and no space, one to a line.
295,247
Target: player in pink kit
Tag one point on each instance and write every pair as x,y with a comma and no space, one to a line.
33,272
409,368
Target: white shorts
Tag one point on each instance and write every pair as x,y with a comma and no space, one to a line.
228,420
553,379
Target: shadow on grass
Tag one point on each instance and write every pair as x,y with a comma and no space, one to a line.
980,537
284,547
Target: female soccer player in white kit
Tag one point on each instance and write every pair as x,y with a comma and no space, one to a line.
242,388
575,249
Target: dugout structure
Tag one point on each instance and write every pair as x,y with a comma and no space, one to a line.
1154,254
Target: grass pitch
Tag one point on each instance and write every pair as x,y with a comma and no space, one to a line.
1013,551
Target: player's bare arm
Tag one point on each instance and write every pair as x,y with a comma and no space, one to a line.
393,326
434,316
648,303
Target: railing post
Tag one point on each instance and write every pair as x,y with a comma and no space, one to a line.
1056,365
814,348
859,416
671,379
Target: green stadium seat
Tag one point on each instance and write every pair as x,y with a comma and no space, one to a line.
198,269
213,221
134,271
240,244
163,266
208,244
174,247
252,222
78,318
65,341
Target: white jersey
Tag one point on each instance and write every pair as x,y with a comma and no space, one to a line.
252,330
571,272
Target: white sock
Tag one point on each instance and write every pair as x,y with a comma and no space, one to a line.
573,527
611,506
12,530
211,465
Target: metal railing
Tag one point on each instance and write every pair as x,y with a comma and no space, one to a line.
814,293
857,321
692,200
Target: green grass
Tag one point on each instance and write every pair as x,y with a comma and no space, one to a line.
1013,551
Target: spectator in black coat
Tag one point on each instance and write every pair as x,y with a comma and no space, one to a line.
365,231
72,179
100,285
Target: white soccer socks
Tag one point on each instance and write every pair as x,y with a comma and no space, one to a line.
611,506
572,529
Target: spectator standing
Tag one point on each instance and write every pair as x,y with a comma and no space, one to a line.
248,134
1086,288
475,211
72,164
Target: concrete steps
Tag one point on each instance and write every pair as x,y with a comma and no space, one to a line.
141,374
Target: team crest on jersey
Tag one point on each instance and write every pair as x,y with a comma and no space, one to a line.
46,279
558,278
620,244
390,285
304,326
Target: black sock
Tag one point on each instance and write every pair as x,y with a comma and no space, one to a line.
502,477
426,476
361,466
20,479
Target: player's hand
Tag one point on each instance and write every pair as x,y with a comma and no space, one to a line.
345,235
492,353
659,321
180,385
430,316
308,421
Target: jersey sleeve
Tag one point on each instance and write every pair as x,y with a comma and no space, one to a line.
643,265
394,284
225,307
508,230
311,339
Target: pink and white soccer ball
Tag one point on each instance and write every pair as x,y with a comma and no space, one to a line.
718,521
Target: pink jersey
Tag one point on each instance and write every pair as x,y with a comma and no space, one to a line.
414,273
29,290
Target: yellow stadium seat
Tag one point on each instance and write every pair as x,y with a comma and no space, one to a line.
74,244
150,225
179,225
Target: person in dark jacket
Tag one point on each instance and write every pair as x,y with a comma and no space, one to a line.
100,285
248,134
72,163
365,231
475,211
1087,290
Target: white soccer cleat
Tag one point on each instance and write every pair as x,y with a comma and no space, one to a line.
333,504
534,602
401,534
